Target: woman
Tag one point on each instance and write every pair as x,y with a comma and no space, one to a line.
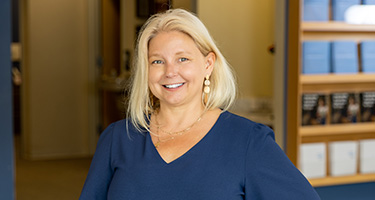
180,142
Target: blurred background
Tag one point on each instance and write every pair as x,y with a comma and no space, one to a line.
71,60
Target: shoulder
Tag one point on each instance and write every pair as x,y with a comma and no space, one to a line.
241,134
120,125
122,129
123,125
244,126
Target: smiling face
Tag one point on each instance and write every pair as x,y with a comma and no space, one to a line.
177,69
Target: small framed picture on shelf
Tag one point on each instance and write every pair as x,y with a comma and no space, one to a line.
146,8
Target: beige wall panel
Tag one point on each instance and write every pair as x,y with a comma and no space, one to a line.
244,30
55,101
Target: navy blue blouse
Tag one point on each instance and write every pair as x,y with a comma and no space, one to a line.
237,160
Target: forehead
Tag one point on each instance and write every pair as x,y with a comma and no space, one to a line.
171,40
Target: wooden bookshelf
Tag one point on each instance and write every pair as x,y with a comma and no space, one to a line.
299,84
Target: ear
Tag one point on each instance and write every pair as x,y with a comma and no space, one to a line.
210,62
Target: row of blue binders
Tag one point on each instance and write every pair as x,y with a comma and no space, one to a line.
322,57
319,10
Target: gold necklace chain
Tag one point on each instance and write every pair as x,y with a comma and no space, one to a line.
173,134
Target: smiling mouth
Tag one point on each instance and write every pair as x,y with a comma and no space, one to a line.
173,85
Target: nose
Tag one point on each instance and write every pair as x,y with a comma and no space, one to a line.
171,70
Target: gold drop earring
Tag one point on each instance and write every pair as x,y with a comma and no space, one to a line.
206,89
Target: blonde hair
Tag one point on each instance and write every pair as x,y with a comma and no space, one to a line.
141,102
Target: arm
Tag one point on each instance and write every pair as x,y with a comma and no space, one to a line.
269,172
100,173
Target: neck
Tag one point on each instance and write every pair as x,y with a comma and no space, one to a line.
177,118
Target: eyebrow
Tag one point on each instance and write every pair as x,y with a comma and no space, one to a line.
153,55
177,53
183,52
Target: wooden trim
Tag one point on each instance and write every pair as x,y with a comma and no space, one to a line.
355,36
331,83
293,56
336,31
111,57
110,31
358,178
337,129
338,78
335,27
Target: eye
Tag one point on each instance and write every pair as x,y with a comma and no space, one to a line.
182,59
157,62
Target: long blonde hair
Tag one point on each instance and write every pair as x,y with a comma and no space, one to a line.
141,102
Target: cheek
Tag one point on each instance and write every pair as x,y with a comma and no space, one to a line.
153,75
194,72
197,76
154,78
152,87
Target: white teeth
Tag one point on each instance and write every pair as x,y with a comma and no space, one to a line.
173,85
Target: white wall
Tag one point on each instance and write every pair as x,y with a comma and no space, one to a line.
244,29
55,94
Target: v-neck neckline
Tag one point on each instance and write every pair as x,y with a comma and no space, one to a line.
195,146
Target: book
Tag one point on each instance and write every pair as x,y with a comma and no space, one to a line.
367,106
313,162
367,156
367,52
344,57
368,2
343,156
316,57
344,108
314,109
339,8
315,10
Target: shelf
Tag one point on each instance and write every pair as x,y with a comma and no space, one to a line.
337,83
337,129
336,27
360,178
338,78
336,31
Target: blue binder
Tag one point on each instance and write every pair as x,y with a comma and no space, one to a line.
316,10
316,57
344,57
368,2
340,6
368,56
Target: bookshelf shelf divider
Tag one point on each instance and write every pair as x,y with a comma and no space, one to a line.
327,181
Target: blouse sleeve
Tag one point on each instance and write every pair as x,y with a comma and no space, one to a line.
270,174
100,173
